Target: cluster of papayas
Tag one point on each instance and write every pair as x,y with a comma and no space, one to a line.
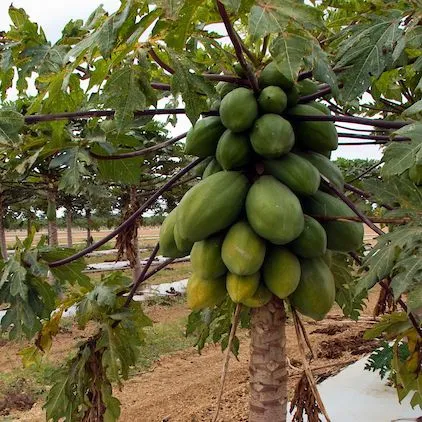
249,224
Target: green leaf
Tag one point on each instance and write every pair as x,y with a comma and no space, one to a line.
11,123
390,325
233,5
322,69
413,109
127,171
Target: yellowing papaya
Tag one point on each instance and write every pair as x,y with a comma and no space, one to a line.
273,211
168,245
326,167
202,139
239,109
316,136
205,258
202,293
271,76
312,242
415,174
315,294
295,172
272,136
212,167
241,288
281,272
243,250
272,99
233,150
343,236
211,205
261,297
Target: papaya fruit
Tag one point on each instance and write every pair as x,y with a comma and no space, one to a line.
238,68
415,174
281,272
205,258
168,245
320,107
315,294
204,293
212,168
240,287
295,172
272,136
261,297
211,205
292,96
271,76
326,167
223,88
328,257
312,242
233,150
202,139
238,110
200,168
272,99
182,244
345,236
273,211
307,87
243,251
316,136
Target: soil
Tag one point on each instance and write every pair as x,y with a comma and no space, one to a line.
183,386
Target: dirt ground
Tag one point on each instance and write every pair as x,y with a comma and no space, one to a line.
183,386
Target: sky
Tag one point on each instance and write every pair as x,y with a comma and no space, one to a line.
52,15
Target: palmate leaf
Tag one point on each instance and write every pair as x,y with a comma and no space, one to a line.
11,123
322,69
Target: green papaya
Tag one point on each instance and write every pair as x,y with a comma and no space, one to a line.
295,172
200,168
272,136
203,138
182,244
241,288
315,294
238,68
261,297
271,76
320,107
223,88
415,174
281,272
342,236
211,205
272,99
238,110
243,251
205,258
307,87
326,167
212,168
316,136
273,211
312,242
292,96
167,241
233,150
202,293
328,257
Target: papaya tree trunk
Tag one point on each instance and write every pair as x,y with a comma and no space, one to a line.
89,238
137,267
3,244
69,228
53,239
268,364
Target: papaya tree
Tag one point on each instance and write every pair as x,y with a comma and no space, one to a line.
271,226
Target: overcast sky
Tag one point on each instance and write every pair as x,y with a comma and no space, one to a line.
52,15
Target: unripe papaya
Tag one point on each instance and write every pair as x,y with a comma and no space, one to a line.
312,242
415,174
238,110
307,87
328,257
202,293
272,100
273,211
243,251
270,75
203,138
315,294
223,88
212,168
342,236
281,272
320,107
292,96
200,168
238,68
241,288
316,136
233,150
205,258
295,172
182,244
261,297
272,136
211,205
326,167
168,245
